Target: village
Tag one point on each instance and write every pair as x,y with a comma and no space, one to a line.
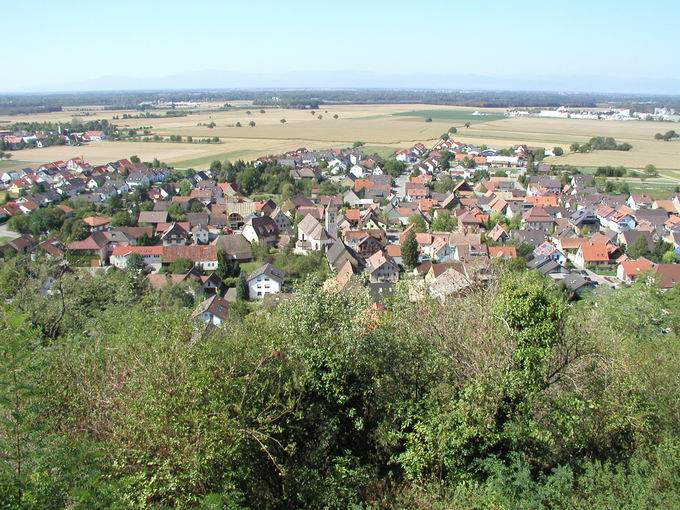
441,217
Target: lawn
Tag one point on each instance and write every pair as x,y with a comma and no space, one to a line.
249,267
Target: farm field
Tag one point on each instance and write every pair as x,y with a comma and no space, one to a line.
382,127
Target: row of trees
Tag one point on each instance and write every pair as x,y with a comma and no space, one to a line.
600,143
667,136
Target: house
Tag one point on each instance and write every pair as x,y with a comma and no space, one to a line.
20,246
311,235
628,270
214,310
265,280
261,230
577,284
175,235
204,257
592,254
498,234
537,218
151,255
94,136
53,248
282,220
668,275
502,252
200,234
547,266
382,268
97,223
235,246
152,217
639,201
449,283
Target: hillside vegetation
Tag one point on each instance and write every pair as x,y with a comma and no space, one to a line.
507,397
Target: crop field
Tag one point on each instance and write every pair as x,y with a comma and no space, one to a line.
485,115
383,128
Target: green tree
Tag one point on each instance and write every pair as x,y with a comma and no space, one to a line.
418,223
639,248
180,266
669,257
176,212
651,171
227,267
242,291
444,222
135,262
409,251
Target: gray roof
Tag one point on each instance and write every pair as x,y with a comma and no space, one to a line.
268,270
153,217
235,245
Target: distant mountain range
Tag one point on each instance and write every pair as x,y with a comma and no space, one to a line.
217,79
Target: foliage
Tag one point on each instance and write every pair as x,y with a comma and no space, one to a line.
409,250
444,222
180,266
503,397
418,223
242,291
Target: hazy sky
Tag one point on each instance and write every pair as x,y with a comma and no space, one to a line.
57,43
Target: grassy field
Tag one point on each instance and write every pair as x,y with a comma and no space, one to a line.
383,128
453,115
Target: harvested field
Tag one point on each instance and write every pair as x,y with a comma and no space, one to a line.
385,127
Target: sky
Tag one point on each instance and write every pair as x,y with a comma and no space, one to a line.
572,45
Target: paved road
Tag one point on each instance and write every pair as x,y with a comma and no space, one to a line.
5,232
400,185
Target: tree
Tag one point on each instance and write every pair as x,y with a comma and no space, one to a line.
558,151
444,222
467,124
651,171
669,257
135,262
242,292
409,251
444,136
574,147
418,223
251,123
181,266
176,212
227,267
196,207
357,144
185,188
282,121
453,130
335,116
122,219
135,159
639,248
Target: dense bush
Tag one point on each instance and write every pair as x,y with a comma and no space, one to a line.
507,397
